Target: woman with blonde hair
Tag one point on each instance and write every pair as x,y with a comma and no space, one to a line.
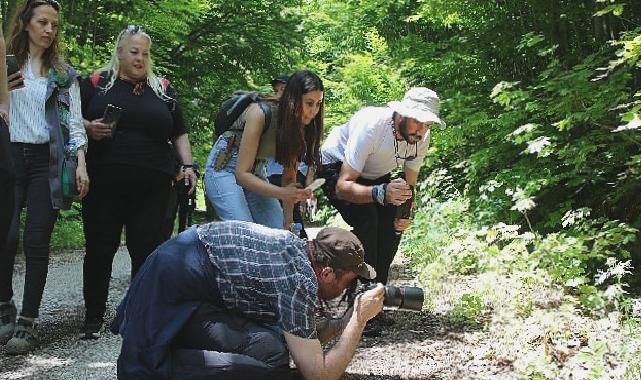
130,161
48,149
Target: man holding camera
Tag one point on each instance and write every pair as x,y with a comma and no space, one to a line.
233,299
358,159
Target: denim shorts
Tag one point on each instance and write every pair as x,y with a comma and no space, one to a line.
230,200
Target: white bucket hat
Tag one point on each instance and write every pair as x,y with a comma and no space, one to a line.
419,103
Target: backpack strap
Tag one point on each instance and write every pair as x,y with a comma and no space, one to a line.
95,79
267,112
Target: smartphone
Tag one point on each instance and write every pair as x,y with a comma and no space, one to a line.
12,64
112,114
318,182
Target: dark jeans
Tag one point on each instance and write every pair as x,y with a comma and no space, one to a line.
216,343
120,196
7,184
32,186
373,224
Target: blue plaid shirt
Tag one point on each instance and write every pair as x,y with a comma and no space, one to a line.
265,274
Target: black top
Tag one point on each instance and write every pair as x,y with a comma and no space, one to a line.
146,126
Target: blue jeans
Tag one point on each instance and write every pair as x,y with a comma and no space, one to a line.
230,200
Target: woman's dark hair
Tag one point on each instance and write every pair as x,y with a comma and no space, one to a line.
19,40
295,141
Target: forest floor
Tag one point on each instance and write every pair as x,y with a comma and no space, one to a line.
425,345
418,346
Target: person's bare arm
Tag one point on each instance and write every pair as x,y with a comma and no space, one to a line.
329,329
348,189
411,176
183,148
4,89
247,156
311,172
308,354
288,179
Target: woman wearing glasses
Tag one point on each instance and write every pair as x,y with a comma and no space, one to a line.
130,161
47,137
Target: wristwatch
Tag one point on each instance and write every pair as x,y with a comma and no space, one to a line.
378,194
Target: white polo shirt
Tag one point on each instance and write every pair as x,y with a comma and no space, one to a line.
366,143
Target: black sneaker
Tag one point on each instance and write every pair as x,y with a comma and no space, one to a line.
24,338
91,329
8,315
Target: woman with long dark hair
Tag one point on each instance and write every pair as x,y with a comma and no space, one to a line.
235,176
47,139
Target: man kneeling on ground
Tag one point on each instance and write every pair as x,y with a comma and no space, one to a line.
218,299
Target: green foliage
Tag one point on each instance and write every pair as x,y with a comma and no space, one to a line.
468,311
67,232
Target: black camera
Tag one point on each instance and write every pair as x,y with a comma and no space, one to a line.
402,297
404,211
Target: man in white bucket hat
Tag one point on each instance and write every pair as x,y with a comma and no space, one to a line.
358,159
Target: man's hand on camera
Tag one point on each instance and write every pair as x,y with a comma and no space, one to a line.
369,303
397,192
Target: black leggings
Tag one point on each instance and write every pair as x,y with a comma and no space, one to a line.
7,184
120,196
31,186
373,224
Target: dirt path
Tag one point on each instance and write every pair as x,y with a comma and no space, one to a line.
422,346
417,346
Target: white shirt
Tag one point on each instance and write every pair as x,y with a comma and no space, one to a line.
366,144
27,122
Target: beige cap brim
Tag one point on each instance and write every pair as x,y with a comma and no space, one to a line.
421,116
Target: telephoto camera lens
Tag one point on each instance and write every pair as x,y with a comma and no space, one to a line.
404,297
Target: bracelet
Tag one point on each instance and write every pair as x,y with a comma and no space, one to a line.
186,167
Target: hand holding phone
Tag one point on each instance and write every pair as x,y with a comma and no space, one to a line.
14,77
12,64
111,115
318,182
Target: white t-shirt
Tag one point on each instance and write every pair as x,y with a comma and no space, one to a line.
366,144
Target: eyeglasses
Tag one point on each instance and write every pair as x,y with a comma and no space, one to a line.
36,3
406,156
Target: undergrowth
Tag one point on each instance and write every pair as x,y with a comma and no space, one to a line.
555,306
